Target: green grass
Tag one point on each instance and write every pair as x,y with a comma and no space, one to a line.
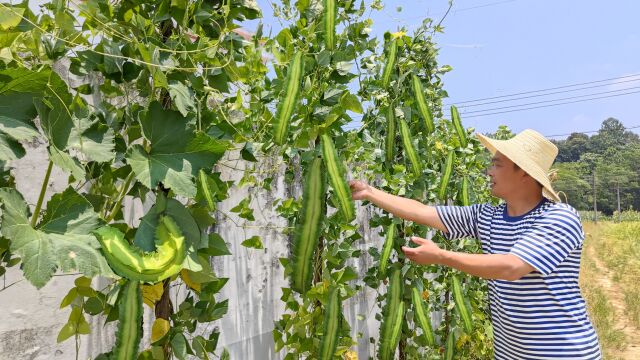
599,308
618,246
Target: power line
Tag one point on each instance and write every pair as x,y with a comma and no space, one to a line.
550,105
548,89
550,100
591,131
547,94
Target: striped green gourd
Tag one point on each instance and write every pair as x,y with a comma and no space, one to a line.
390,64
332,318
450,346
390,315
130,262
446,176
461,305
386,249
396,330
337,178
457,124
465,197
421,102
308,229
289,100
329,23
129,322
390,136
410,151
422,319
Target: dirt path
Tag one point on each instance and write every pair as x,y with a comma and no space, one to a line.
632,351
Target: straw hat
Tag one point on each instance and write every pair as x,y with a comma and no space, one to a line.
532,152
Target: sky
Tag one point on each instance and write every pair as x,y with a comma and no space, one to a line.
504,47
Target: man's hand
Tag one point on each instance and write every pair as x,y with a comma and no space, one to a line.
360,190
426,254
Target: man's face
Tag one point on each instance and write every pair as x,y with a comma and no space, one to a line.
505,176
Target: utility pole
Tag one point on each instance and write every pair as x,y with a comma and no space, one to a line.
595,201
618,191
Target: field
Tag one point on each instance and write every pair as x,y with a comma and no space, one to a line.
609,281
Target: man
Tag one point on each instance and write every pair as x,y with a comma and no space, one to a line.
531,251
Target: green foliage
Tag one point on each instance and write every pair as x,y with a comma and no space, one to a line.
604,161
59,241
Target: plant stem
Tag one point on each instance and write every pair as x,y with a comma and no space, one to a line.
123,192
43,190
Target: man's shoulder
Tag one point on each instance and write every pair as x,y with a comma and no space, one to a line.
561,212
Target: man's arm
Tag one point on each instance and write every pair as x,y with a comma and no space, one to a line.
489,266
407,209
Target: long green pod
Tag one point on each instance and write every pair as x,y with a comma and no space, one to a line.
450,348
386,249
289,100
130,262
457,124
329,23
205,190
410,151
332,317
446,176
396,330
421,316
308,229
337,177
390,140
129,322
465,196
390,314
423,108
461,305
390,64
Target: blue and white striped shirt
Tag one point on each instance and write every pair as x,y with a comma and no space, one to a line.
542,315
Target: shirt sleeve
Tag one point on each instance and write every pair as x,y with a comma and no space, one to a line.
460,221
550,240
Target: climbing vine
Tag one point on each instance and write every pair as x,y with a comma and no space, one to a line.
146,101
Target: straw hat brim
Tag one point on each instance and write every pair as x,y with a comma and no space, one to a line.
514,153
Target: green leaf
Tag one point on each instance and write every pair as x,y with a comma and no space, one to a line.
93,139
18,90
217,246
66,162
253,242
10,16
69,213
243,209
61,241
179,346
351,102
247,152
176,153
10,149
77,324
68,299
182,97
56,117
